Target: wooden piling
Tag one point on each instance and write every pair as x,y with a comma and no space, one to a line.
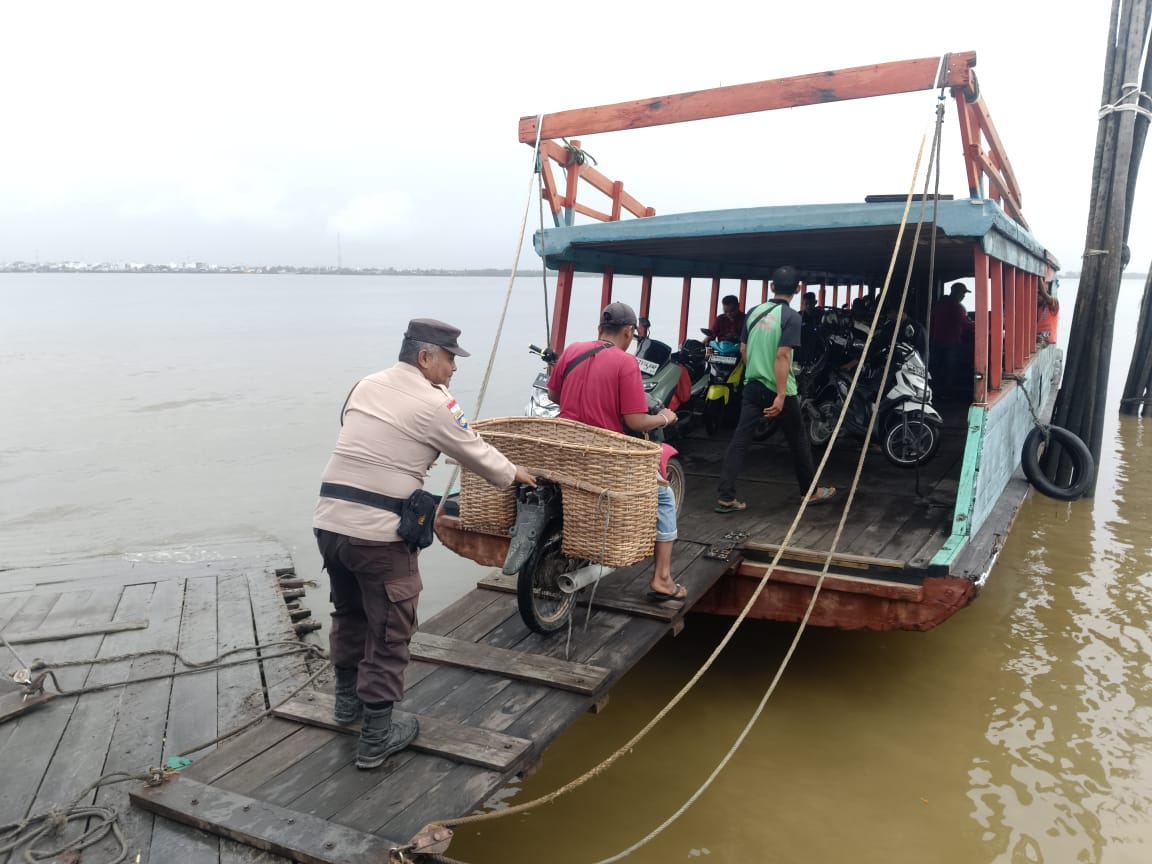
1080,403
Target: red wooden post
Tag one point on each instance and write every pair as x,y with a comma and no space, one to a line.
606,287
645,294
573,180
820,299
684,298
715,301
617,194
563,302
1033,293
999,354
980,349
744,294
1023,315
764,292
1011,317
836,296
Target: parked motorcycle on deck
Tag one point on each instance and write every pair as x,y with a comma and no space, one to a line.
907,427
725,378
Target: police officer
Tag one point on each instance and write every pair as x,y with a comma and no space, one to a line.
394,426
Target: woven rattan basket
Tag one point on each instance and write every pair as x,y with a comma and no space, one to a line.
608,482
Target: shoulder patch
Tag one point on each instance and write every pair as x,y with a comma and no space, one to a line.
458,414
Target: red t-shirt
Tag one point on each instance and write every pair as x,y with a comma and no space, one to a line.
602,389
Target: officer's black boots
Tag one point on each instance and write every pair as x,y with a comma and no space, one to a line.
381,736
348,704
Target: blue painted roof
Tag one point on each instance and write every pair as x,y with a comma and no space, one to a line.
852,240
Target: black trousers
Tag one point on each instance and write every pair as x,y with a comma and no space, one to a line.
756,398
375,590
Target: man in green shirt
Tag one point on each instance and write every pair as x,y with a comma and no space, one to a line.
771,333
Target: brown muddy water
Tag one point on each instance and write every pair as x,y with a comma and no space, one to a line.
155,416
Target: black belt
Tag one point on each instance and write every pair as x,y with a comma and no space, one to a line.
362,496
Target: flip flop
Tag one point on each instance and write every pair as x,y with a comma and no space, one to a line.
678,593
823,495
731,507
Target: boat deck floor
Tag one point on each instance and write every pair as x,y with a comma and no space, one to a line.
901,516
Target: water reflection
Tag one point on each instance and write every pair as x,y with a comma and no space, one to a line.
1064,773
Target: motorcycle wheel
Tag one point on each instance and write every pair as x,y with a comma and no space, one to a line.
910,441
676,480
765,428
543,606
713,414
820,422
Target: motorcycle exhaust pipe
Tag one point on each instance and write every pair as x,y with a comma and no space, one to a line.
572,582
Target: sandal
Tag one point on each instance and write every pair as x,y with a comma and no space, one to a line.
678,593
732,506
822,495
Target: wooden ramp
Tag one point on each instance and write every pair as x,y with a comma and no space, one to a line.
199,603
490,695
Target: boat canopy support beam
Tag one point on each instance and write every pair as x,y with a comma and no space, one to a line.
859,82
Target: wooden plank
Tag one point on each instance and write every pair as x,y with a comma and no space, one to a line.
294,835
266,765
240,749
137,739
238,689
315,769
577,677
192,704
33,741
76,632
859,82
283,675
444,738
79,758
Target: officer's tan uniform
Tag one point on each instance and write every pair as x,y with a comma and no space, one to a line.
395,426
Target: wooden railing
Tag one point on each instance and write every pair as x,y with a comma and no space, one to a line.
573,162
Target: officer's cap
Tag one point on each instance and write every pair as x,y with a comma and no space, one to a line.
436,333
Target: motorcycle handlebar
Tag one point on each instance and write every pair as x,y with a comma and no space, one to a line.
546,354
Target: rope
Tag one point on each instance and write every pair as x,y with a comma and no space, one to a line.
628,746
507,301
1127,91
1021,380
106,820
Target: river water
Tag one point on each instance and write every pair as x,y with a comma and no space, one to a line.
158,416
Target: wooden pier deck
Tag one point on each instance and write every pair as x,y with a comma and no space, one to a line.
221,598
490,695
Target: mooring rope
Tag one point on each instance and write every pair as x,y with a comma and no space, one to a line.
507,301
629,745
51,823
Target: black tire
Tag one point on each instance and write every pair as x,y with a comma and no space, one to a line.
543,606
910,440
819,428
765,428
713,414
676,480
1083,465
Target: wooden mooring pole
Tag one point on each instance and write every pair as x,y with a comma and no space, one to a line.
1137,397
1119,145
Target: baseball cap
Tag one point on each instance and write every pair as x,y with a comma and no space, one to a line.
618,315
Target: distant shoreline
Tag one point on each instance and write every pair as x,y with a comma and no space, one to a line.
274,270
285,270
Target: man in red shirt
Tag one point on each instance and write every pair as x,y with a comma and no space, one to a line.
950,324
599,383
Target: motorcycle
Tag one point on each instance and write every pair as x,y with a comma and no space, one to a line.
725,378
547,581
907,427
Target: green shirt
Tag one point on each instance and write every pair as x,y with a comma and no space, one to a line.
774,323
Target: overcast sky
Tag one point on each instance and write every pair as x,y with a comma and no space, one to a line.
245,132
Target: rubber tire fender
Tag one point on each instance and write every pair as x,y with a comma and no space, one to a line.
1083,465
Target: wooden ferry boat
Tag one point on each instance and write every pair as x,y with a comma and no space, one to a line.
919,544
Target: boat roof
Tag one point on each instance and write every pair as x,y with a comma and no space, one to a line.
837,242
